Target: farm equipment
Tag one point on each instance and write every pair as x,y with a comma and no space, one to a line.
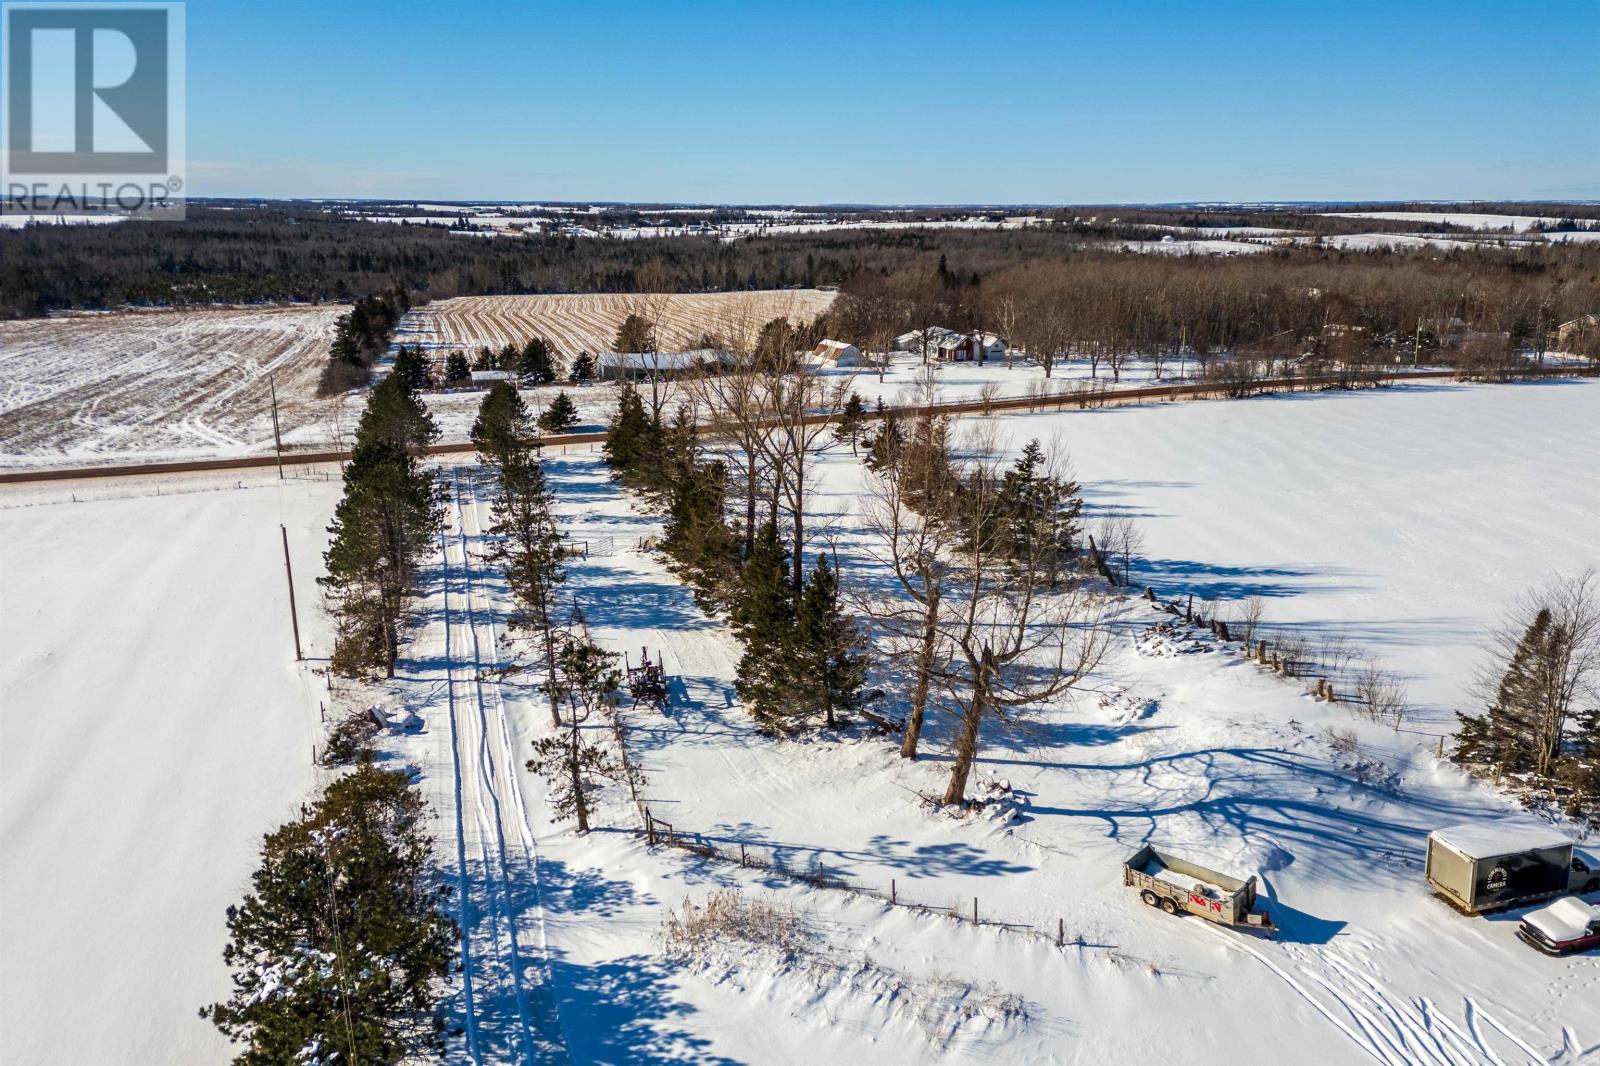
647,682
1179,886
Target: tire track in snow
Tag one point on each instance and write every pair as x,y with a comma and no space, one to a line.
481,764
551,1025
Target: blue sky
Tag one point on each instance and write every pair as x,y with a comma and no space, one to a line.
989,102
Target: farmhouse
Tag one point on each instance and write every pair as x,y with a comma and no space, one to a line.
970,348
1571,333
931,336
837,353
641,366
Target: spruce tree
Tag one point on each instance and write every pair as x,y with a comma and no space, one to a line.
573,767
852,419
531,551
827,670
1506,734
632,438
582,368
887,443
536,363
504,431
456,370
411,366
341,948
763,615
560,416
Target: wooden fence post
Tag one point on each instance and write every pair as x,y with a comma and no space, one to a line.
892,892
974,910
1061,931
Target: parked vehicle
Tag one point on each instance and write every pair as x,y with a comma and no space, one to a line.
1565,926
1506,862
1179,886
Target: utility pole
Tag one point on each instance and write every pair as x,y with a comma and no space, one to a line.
277,444
294,618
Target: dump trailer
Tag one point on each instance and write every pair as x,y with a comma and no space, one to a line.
1505,862
1179,886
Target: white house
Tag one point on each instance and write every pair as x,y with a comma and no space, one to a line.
913,341
970,348
837,353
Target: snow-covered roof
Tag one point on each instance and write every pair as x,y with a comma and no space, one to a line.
493,375
1501,836
662,360
1565,919
836,345
955,340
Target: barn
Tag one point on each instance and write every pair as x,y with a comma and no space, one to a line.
644,366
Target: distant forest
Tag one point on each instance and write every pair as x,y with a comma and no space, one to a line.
296,252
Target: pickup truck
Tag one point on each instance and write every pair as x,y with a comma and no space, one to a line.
1565,926
1179,886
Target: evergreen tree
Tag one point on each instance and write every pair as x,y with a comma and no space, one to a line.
504,431
574,768
531,551
763,616
388,517
582,368
341,949
887,443
411,366
560,416
1039,514
633,439
456,370
1506,734
852,419
536,364
396,415
827,670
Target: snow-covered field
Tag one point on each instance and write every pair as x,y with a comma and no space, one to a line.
177,727
1181,743
136,385
153,726
575,323
1406,519
1484,221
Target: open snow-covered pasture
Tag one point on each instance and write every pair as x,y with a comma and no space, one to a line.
131,385
1406,520
153,726
1179,743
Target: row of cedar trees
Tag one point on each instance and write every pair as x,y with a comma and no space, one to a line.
993,618
342,944
1540,723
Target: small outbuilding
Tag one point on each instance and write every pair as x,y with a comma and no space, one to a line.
837,353
489,377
